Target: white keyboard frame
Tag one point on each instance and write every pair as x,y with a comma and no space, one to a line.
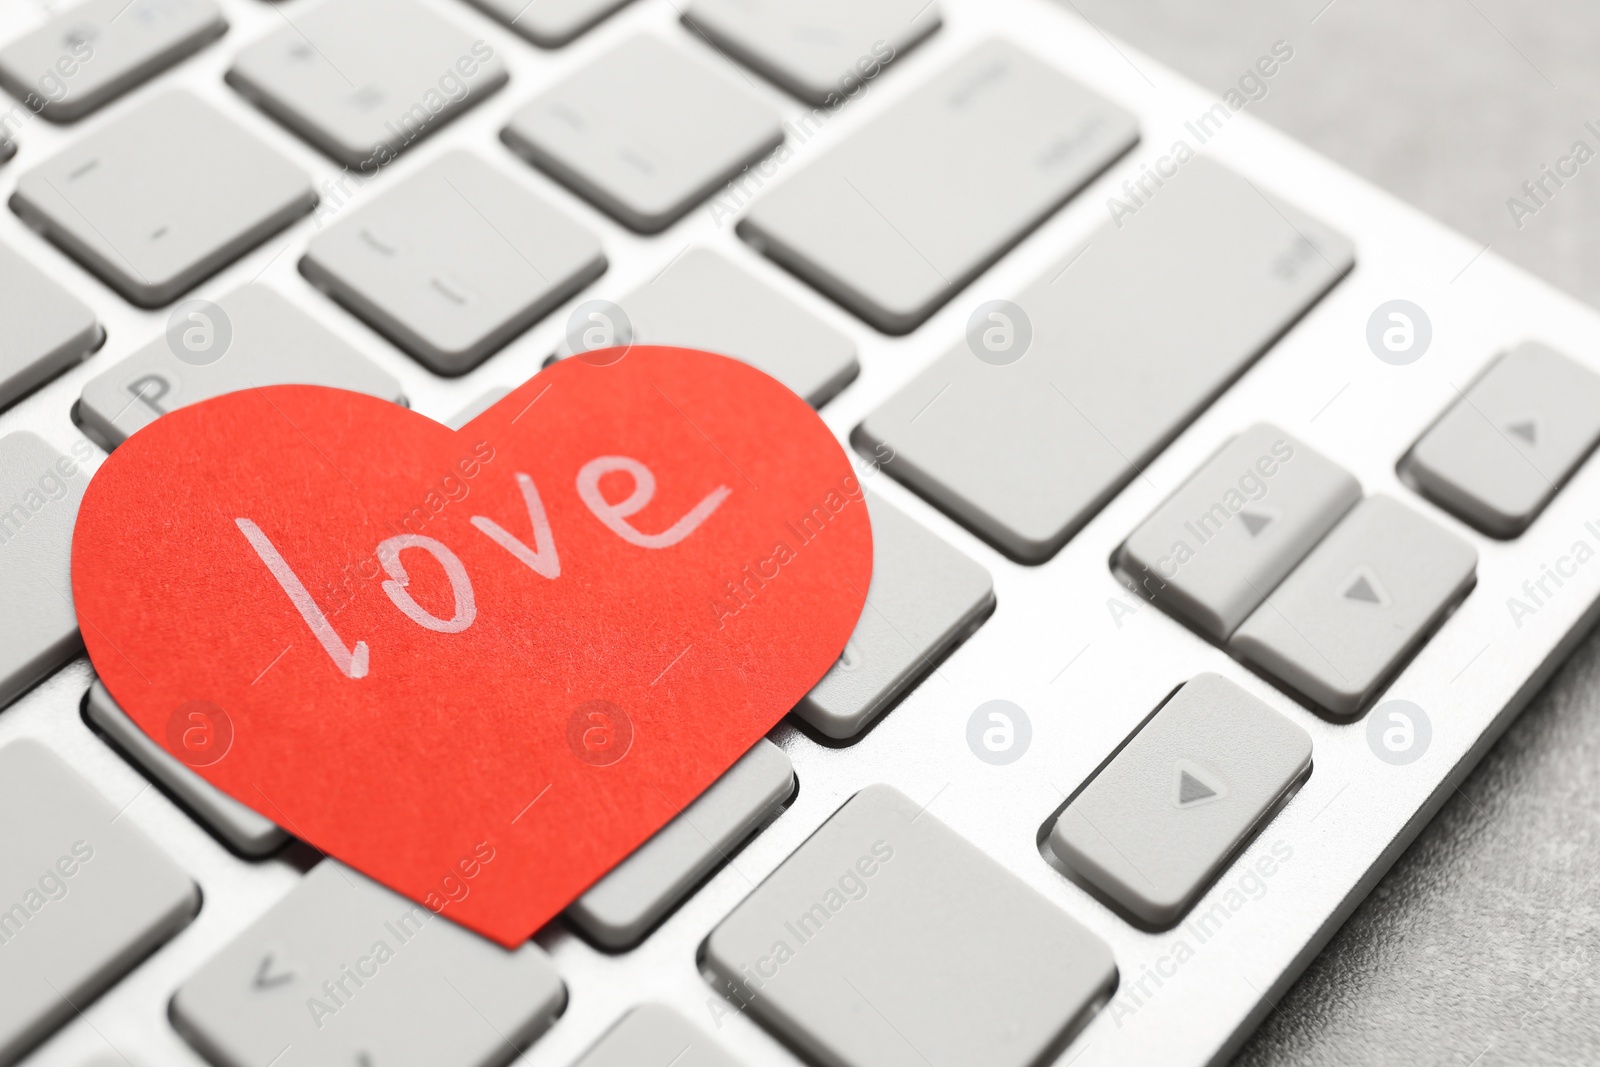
1052,646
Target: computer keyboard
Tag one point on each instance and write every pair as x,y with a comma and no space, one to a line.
1168,510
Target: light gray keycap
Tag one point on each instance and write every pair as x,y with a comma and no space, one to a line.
488,400
97,50
40,490
887,939
239,827
897,219
620,909
365,79
1217,546
549,23
344,973
645,131
820,50
1159,822
43,328
269,342
1355,610
84,896
1505,447
702,301
924,600
1132,336
162,197
653,1035
453,262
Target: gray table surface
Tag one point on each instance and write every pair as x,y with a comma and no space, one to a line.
1482,945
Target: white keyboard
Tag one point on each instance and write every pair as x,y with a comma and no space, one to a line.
1225,511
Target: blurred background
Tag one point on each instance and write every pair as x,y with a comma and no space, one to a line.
1482,945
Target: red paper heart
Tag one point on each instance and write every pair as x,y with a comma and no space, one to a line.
497,756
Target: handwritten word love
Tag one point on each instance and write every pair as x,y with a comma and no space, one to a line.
541,557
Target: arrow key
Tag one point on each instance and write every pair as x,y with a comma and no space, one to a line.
1359,605
1215,548
1155,826
1499,455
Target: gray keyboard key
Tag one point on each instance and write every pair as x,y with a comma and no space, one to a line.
40,490
645,132
702,301
549,23
897,219
97,50
924,600
887,940
1132,337
85,895
1501,452
1355,610
344,973
1156,825
162,197
1214,549
453,262
653,1035
240,828
269,342
620,909
820,50
363,80
43,328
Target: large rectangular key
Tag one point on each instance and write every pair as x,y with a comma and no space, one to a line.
162,196
1354,611
40,490
897,219
43,328
621,908
263,340
94,51
887,939
84,895
344,973
1122,344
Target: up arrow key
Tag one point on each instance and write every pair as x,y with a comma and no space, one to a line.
1254,523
